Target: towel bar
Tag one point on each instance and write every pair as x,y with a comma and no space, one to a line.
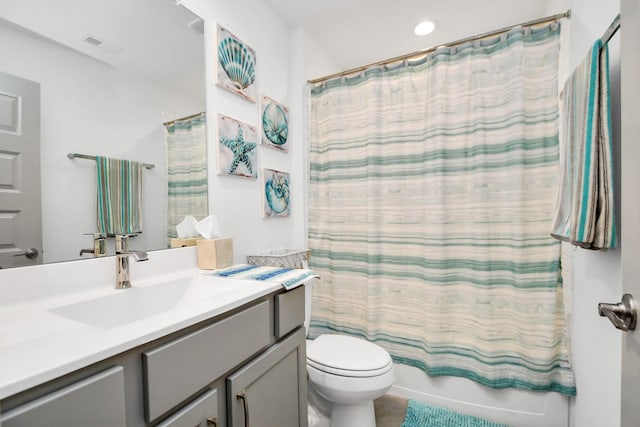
87,157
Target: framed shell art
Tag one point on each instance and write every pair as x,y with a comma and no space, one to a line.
275,185
274,118
237,142
236,66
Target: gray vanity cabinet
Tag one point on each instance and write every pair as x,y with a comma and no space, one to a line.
247,365
271,390
94,401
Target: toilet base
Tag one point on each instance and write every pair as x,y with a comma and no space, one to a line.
359,415
323,413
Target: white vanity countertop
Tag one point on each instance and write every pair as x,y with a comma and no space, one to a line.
40,341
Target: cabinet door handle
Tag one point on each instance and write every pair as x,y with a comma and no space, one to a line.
245,406
212,421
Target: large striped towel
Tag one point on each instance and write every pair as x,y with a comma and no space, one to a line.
119,185
585,206
289,278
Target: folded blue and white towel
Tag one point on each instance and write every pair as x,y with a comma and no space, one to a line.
289,278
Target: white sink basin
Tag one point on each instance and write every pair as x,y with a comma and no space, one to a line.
127,305
123,306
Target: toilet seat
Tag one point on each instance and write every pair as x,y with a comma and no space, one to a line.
348,373
348,356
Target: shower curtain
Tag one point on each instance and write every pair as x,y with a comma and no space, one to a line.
186,141
431,198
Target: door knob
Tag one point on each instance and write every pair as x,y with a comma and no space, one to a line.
623,315
30,253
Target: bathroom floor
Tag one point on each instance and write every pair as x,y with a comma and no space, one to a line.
390,410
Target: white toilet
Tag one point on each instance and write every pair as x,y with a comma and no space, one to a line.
347,373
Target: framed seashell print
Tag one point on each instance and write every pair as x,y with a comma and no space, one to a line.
275,186
236,65
274,119
237,142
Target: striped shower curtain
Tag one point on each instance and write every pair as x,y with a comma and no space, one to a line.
431,200
187,171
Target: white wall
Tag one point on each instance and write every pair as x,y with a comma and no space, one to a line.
309,61
91,108
596,345
237,202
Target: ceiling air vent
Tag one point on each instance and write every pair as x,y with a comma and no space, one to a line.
92,40
101,43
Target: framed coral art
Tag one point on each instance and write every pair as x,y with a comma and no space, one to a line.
236,66
274,118
237,142
275,185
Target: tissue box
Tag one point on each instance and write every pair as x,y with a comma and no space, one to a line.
215,253
181,243
279,257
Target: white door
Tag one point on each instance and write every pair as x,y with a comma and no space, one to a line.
630,199
20,216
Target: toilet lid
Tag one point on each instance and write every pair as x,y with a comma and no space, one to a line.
348,356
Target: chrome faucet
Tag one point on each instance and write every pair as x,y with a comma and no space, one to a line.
122,260
99,246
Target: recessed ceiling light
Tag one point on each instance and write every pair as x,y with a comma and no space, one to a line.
424,28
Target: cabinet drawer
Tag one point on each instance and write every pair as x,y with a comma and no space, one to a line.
289,309
175,371
204,408
94,401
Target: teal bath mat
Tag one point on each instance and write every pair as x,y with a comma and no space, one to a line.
420,414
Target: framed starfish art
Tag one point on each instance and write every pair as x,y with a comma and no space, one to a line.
237,142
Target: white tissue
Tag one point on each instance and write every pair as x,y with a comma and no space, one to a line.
208,227
187,228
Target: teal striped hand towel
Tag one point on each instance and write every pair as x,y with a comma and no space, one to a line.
119,185
585,206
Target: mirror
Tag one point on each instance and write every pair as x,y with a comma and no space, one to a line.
110,73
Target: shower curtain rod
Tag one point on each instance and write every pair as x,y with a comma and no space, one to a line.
182,118
422,52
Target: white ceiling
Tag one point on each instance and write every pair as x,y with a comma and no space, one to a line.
155,41
148,38
359,32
